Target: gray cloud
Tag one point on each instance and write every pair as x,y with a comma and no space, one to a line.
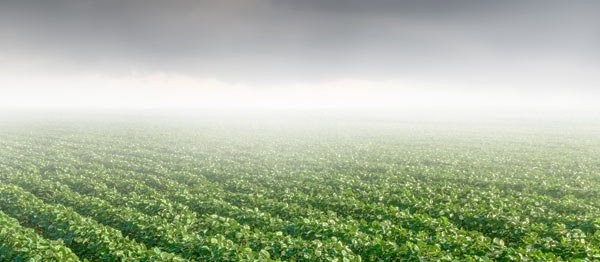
279,40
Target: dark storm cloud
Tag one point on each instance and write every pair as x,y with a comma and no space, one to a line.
298,40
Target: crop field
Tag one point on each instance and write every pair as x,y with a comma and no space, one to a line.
135,189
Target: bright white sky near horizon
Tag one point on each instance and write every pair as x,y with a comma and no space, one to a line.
300,54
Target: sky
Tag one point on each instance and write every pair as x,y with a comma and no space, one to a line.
300,53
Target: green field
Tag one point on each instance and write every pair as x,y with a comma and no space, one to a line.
175,189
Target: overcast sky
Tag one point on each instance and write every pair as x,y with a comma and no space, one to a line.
52,51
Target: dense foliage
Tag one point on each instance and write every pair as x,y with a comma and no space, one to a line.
341,192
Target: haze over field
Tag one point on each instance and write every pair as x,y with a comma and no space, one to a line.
472,55
299,130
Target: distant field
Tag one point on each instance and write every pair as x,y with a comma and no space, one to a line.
139,189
